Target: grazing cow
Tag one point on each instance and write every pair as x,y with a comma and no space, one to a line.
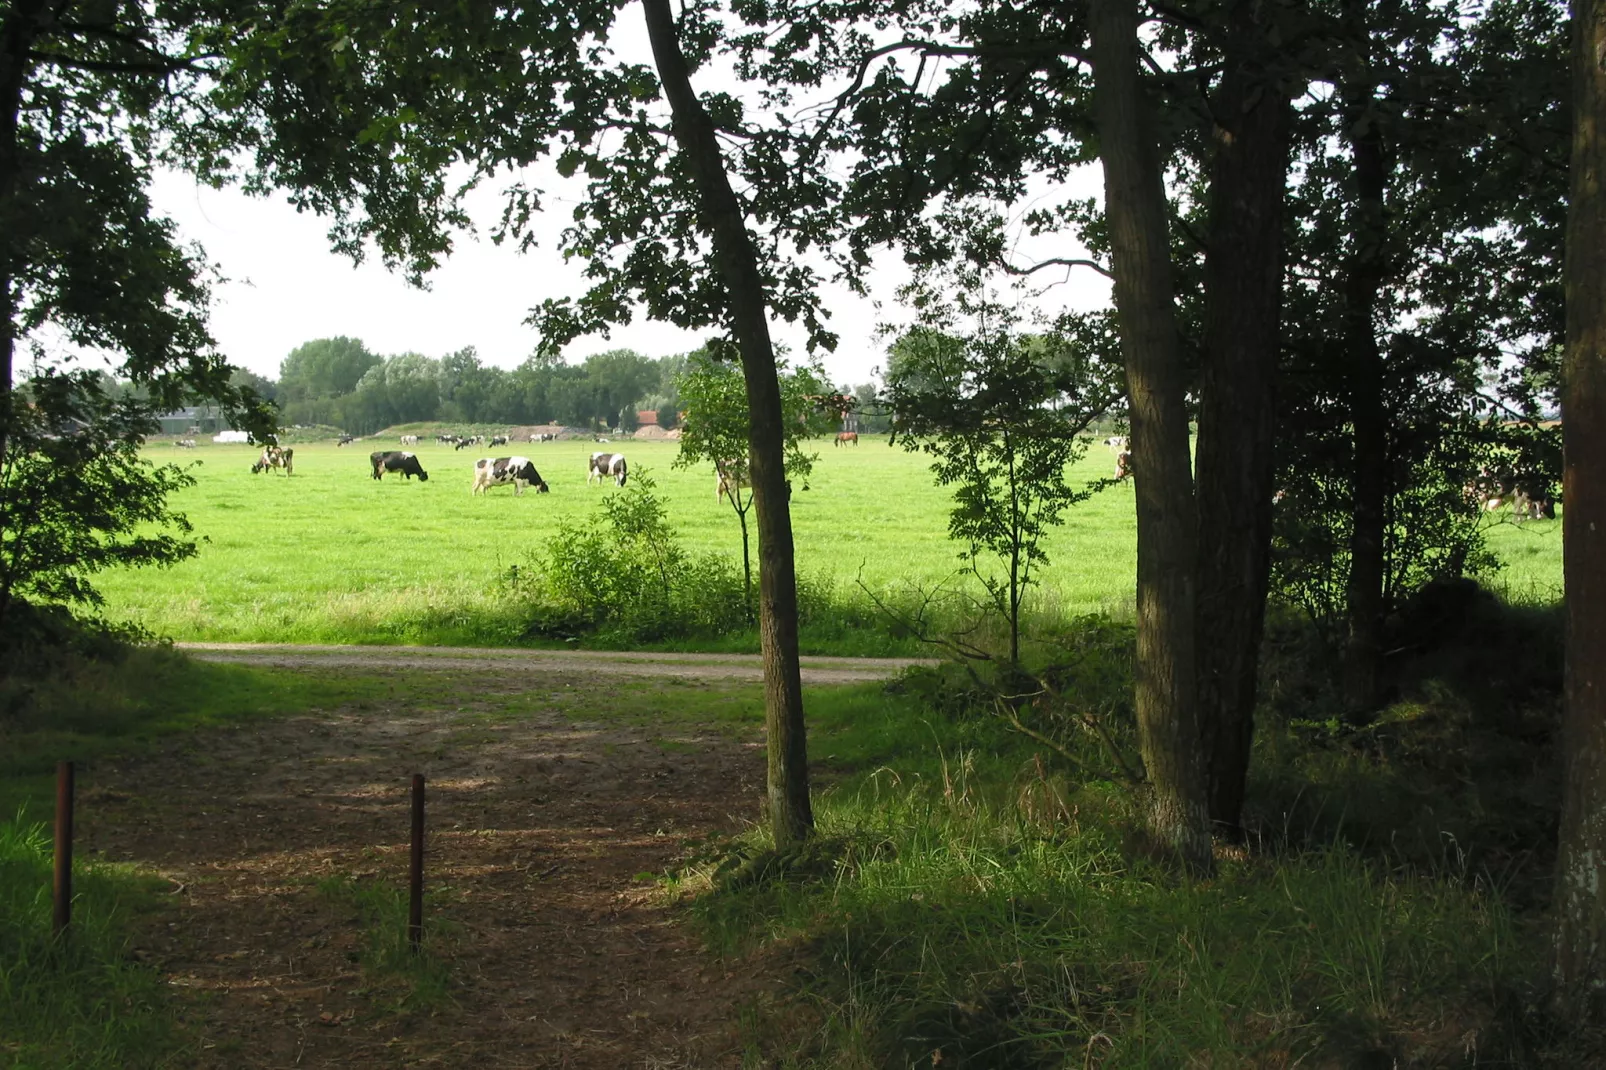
494,471
1123,465
1529,496
409,440
850,438
274,457
1117,443
397,461
730,478
345,440
543,436
607,464
462,442
445,440
185,444
499,440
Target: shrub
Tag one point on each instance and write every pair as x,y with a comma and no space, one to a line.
623,573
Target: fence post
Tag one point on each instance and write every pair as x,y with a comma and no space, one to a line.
415,873
61,891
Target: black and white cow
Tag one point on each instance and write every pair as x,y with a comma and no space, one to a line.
274,457
499,440
605,465
409,440
543,436
495,471
397,461
345,440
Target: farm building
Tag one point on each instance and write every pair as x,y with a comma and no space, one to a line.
193,420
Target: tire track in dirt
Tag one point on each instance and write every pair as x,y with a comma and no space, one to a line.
540,825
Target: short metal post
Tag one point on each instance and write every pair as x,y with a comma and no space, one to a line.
415,873
61,892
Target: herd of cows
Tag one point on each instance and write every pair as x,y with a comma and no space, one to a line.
1490,491
517,472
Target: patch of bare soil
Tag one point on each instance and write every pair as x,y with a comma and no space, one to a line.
557,954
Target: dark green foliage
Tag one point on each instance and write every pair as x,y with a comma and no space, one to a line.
1459,768
76,497
316,386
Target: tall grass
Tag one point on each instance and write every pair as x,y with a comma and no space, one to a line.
972,904
79,1001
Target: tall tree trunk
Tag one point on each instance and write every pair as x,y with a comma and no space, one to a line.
791,818
1135,206
19,29
1243,291
1364,275
1581,865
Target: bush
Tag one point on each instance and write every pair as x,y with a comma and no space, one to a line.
623,574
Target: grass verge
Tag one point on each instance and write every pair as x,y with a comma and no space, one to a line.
79,1001
970,903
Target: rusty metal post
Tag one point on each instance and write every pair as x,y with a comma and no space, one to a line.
61,892
415,871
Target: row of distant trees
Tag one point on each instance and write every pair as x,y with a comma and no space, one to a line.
341,383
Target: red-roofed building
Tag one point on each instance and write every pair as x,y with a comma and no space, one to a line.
647,418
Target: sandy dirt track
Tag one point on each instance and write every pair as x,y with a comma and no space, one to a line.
816,670
544,812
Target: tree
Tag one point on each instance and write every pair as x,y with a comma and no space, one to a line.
1423,255
361,114
1003,414
91,95
718,430
1247,166
1580,967
1135,207
324,368
76,497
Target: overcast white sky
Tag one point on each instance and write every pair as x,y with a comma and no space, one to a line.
287,288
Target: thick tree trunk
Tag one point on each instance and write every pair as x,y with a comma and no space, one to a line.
791,818
1363,652
1243,291
1135,206
1581,865
1364,274
19,29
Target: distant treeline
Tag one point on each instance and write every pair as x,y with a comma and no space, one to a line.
339,382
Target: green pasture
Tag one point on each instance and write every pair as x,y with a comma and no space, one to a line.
331,555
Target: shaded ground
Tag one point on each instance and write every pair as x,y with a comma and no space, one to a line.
557,954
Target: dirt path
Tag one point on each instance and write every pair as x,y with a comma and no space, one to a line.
557,954
816,670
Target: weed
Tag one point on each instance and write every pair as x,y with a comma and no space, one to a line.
418,979
78,1001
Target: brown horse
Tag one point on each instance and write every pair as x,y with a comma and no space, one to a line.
850,437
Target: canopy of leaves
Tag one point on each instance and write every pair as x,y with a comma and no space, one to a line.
76,497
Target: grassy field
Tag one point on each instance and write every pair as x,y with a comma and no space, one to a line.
330,555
